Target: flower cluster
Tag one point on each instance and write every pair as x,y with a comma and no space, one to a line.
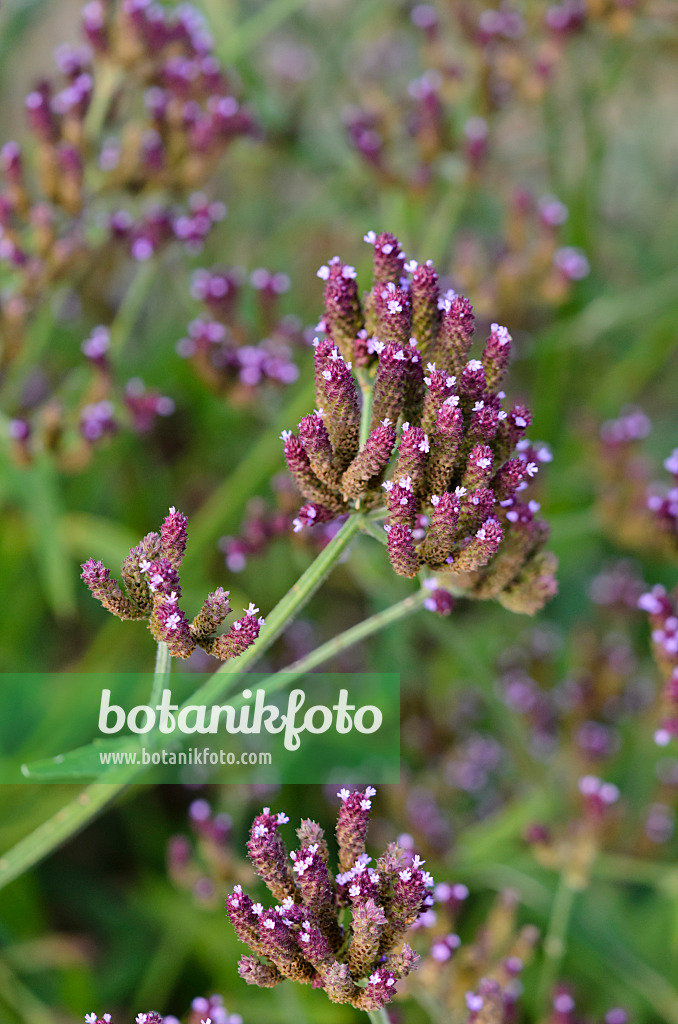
460,463
152,591
220,344
305,937
476,979
144,106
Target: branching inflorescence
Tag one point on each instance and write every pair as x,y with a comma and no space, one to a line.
152,591
308,936
459,463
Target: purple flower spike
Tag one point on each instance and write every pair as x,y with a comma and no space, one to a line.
254,972
318,446
352,825
306,480
216,608
401,502
240,636
439,387
414,447
426,314
389,384
401,551
338,397
394,315
380,990
456,333
268,854
343,314
496,355
369,464
98,578
169,624
442,529
445,443
478,468
481,548
173,537
389,260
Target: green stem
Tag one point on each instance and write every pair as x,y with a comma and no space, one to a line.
555,942
378,1016
163,667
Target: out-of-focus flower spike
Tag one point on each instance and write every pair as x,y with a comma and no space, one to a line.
312,514
534,586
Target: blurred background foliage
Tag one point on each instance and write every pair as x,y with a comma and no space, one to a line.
100,923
